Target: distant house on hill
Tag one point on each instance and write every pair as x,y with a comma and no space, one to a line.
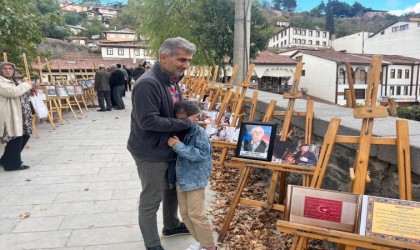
294,36
400,38
102,13
324,76
122,35
75,29
373,13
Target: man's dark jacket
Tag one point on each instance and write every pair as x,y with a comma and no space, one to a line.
152,118
262,147
117,78
102,81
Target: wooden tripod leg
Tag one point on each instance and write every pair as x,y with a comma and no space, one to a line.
71,109
35,129
222,157
59,111
50,114
272,189
78,104
234,204
84,102
404,162
282,190
295,242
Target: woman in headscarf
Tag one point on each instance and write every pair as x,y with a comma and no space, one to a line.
15,116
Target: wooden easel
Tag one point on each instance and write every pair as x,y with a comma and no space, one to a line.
41,77
71,100
76,96
359,174
53,103
89,92
219,93
245,165
33,118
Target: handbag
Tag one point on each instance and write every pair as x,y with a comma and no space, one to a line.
39,106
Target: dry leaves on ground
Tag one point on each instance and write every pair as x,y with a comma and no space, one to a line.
251,227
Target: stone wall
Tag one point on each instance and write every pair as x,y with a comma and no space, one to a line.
382,163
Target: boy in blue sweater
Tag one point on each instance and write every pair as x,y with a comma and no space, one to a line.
193,167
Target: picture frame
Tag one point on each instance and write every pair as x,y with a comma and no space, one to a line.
222,133
50,91
78,89
207,116
41,92
89,83
61,91
295,153
70,90
323,208
256,140
83,83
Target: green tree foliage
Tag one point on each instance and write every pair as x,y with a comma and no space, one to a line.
287,5
319,10
19,30
53,25
93,27
72,18
329,18
410,113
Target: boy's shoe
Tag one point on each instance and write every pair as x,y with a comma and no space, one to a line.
194,246
182,229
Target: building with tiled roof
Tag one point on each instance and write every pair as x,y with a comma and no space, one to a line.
272,72
79,65
122,35
324,76
301,37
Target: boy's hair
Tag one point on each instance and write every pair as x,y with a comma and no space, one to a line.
187,107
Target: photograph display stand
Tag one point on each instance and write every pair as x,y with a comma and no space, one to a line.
359,173
50,117
79,98
54,102
33,118
70,99
245,165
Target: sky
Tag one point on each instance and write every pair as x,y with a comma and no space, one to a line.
396,7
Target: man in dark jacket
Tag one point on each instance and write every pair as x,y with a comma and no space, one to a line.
139,70
152,123
103,88
117,83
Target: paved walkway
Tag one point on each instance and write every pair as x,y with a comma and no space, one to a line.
81,191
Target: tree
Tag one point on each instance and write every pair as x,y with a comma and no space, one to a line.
319,10
357,9
19,30
287,5
329,18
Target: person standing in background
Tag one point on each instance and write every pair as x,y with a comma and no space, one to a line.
117,83
102,87
128,83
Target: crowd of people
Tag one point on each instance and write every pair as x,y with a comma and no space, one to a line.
111,84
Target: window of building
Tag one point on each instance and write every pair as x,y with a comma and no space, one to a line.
299,58
120,52
310,42
382,32
137,52
398,90
281,35
317,34
391,90
294,31
407,73
109,52
395,29
324,34
285,32
360,93
281,44
303,32
310,33
294,40
298,32
122,36
303,41
324,43
298,41
317,43
285,42
399,73
405,90
404,27
303,72
392,76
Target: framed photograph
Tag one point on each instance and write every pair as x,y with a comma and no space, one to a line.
78,89
301,154
70,90
256,140
222,133
207,116
89,83
61,91
41,92
83,83
323,208
50,91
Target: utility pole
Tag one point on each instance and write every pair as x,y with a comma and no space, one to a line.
242,37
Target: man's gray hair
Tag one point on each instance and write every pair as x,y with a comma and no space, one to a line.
113,66
188,107
101,66
171,45
257,127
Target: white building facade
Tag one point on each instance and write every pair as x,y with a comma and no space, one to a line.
324,76
131,51
401,38
352,43
293,36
